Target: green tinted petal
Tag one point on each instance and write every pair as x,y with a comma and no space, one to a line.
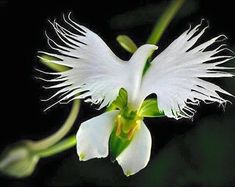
120,102
149,108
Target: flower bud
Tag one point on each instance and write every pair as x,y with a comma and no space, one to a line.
18,160
127,43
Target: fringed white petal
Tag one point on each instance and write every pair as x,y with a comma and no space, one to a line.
96,73
175,75
136,156
93,136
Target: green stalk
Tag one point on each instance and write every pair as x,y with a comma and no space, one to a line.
60,147
164,21
57,136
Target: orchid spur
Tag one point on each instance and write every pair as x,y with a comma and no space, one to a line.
98,76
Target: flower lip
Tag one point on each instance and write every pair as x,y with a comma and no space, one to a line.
136,156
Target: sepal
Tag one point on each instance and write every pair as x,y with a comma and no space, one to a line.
150,109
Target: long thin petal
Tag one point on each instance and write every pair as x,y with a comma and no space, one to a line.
136,156
176,74
93,136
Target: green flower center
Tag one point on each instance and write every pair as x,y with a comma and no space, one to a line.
127,123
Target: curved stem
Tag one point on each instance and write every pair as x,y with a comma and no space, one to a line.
164,21
57,148
57,136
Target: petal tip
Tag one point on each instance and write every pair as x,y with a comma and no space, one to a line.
82,156
128,173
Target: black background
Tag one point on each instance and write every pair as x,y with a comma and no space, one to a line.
22,35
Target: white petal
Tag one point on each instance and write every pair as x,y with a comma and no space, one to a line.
93,136
96,72
175,75
136,156
135,71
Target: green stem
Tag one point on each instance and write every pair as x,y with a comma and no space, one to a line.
57,148
57,136
164,21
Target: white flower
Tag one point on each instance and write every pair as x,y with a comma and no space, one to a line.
96,75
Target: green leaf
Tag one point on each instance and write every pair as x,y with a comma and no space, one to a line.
150,109
121,101
127,43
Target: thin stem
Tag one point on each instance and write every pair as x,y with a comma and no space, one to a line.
57,136
57,148
164,21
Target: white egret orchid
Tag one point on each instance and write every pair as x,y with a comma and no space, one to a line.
98,76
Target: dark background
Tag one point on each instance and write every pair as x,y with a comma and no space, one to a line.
184,153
